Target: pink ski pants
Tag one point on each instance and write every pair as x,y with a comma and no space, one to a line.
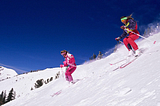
68,73
130,40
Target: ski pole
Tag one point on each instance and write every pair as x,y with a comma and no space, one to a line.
116,46
62,73
120,42
141,36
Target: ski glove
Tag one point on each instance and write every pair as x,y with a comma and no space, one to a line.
61,65
123,27
65,63
118,38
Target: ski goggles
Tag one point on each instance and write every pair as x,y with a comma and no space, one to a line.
125,18
63,54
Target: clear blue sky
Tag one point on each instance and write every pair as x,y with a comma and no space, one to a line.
33,32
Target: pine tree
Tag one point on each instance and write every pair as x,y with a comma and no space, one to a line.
39,83
11,95
57,75
2,98
51,78
145,33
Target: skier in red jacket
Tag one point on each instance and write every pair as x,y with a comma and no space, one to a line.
129,25
69,61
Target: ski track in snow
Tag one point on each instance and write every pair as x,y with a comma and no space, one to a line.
137,84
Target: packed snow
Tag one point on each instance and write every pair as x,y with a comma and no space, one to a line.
98,82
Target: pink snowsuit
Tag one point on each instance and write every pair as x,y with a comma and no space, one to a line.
69,60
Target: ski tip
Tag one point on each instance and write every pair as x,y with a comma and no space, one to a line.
110,64
154,42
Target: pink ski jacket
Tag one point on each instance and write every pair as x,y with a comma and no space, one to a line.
69,60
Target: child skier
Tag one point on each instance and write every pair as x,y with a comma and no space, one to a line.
69,60
129,25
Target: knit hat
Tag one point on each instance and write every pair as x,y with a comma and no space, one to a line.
64,52
126,17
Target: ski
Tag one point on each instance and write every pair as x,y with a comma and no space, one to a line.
57,93
127,63
116,68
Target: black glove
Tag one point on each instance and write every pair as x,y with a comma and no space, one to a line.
118,38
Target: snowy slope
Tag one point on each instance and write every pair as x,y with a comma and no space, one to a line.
138,84
6,73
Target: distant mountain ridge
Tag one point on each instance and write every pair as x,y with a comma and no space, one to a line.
6,73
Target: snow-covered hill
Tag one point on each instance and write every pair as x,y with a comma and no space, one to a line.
6,73
100,84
